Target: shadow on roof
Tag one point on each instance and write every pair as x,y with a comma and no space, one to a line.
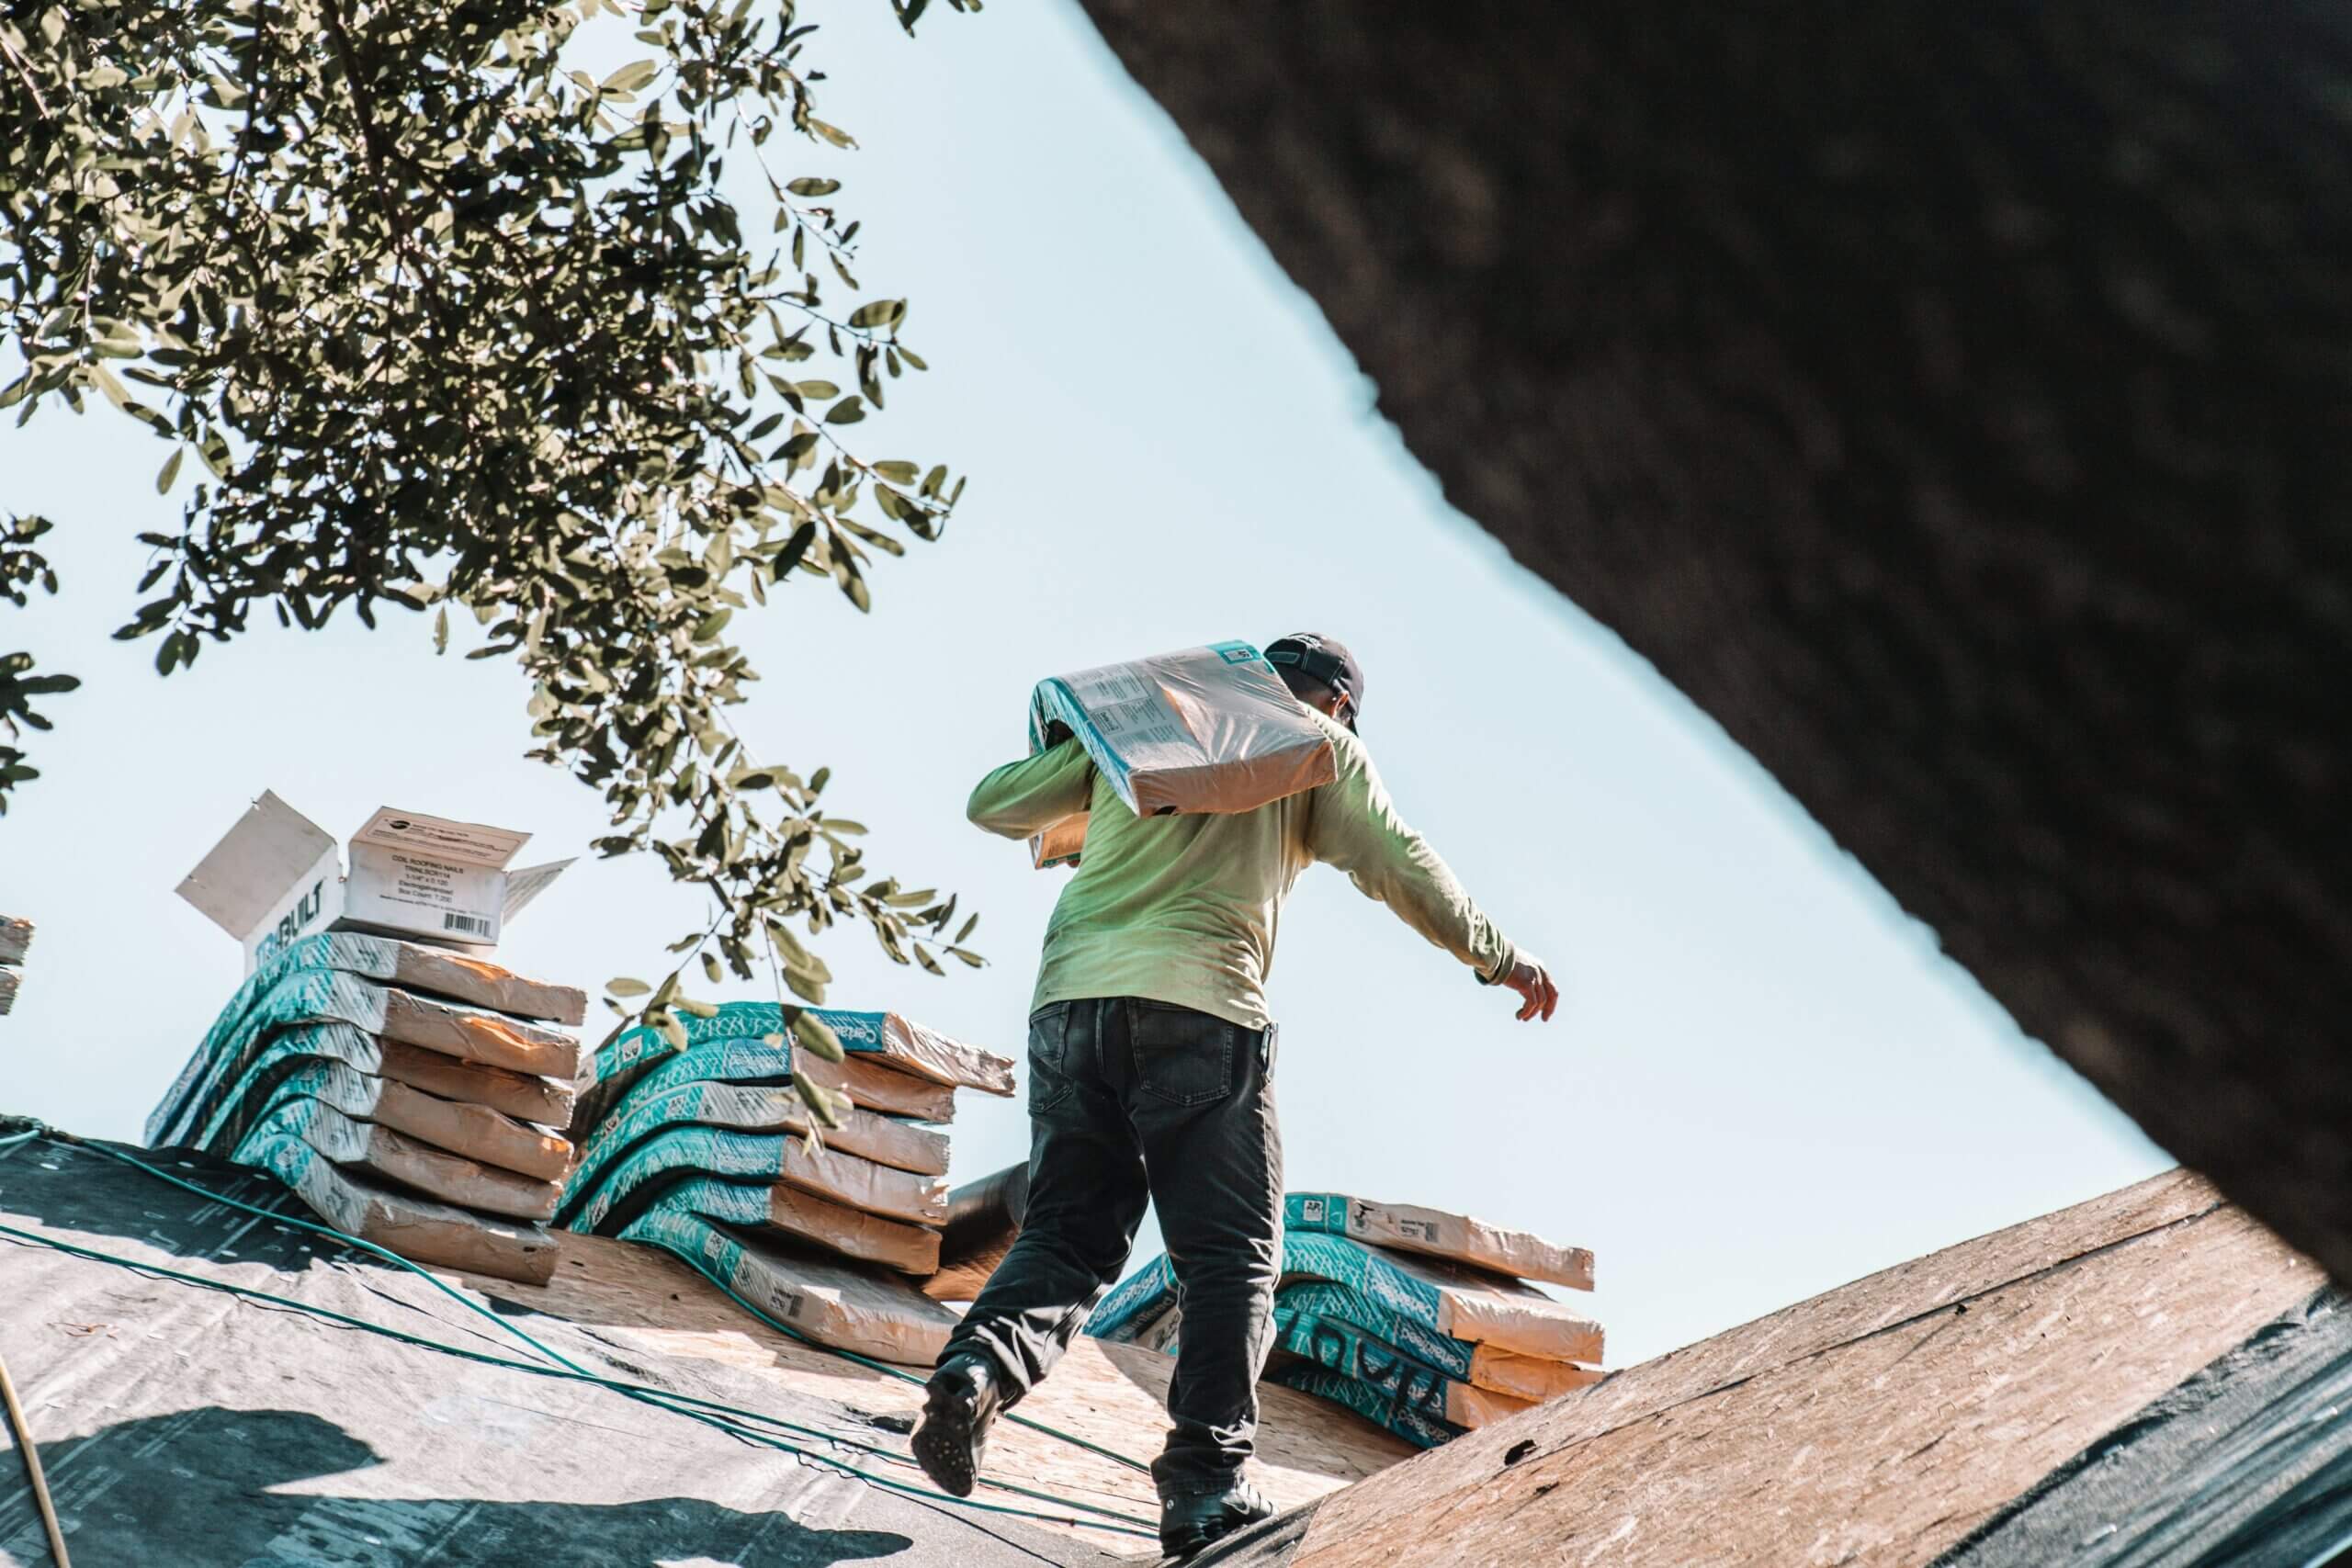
217,1476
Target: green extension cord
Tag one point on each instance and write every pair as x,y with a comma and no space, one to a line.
725,1418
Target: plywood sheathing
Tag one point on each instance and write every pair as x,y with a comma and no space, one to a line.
1874,1424
649,1303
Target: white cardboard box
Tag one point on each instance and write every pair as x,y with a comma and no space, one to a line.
276,877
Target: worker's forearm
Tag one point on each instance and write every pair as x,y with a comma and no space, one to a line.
999,806
1426,896
1024,798
1356,829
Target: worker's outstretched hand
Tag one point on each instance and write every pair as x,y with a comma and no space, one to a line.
1538,996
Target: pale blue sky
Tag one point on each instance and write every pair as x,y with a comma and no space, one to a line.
1764,1081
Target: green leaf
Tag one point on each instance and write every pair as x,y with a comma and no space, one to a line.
794,549
451,308
827,1108
631,77
625,986
814,1035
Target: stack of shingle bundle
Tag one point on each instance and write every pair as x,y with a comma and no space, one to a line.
1420,1321
15,936
409,1093
706,1151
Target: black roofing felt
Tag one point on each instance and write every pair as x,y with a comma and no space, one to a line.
2247,1462
180,1426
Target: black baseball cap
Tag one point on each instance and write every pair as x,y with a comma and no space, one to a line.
1324,658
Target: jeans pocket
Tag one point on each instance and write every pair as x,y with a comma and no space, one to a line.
1182,1057
1049,1080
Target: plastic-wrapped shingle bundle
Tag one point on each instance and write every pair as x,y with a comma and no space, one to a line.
1423,1333
709,1151
15,936
413,1095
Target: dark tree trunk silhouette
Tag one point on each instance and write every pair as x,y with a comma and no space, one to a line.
1955,401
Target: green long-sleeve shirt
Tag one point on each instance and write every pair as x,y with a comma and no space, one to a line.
1183,908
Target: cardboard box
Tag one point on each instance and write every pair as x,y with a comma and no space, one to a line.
1204,730
276,877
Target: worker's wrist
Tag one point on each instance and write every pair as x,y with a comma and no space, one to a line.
1501,971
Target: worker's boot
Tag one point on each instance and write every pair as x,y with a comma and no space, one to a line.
1190,1523
962,1403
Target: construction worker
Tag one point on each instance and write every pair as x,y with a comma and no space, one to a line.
1152,1068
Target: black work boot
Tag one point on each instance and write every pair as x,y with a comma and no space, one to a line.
962,1403
1192,1521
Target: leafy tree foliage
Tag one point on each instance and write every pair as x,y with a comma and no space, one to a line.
444,322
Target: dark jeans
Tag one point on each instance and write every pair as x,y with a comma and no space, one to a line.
1132,1100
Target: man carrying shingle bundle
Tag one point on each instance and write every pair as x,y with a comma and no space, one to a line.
1151,1064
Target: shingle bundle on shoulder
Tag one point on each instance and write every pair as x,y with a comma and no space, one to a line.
411,1094
1422,1321
706,1150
